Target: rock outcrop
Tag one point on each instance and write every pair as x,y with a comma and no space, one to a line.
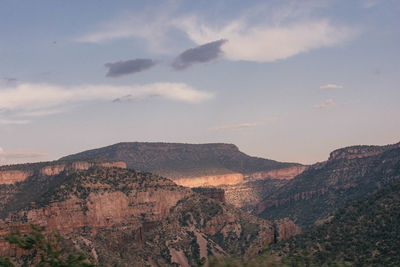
211,192
286,228
211,180
18,173
13,176
120,216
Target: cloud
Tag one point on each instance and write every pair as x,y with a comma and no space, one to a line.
267,43
42,99
370,3
234,126
13,121
10,79
8,157
331,86
150,24
200,54
244,125
327,103
274,33
121,68
269,119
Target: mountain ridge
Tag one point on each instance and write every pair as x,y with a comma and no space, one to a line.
350,173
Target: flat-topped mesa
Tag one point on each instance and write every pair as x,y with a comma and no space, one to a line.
17,173
354,152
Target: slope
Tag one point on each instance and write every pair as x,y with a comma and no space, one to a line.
365,233
120,216
349,174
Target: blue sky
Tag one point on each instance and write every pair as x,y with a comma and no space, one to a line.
286,80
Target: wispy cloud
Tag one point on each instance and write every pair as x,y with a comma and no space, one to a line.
10,79
244,125
43,99
234,126
264,42
8,157
13,121
370,3
150,24
327,103
279,33
200,54
331,86
121,68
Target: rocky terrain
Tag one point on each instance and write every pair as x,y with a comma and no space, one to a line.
350,174
119,216
364,233
245,179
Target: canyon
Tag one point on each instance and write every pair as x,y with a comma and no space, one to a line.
198,201
118,215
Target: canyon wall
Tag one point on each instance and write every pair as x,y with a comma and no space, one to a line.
17,173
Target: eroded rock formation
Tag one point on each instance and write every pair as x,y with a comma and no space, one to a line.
120,216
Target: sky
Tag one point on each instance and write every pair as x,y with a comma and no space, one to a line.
284,80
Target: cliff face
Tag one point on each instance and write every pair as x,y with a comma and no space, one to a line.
120,216
18,173
13,176
285,228
211,180
205,165
281,174
349,174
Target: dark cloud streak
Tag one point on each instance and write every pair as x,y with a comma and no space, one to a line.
10,79
121,68
201,54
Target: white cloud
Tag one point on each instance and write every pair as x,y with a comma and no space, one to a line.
331,86
42,99
266,43
327,103
278,33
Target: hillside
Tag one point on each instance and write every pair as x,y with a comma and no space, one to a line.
349,174
244,178
365,233
119,216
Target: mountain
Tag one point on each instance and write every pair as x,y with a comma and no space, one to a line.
245,179
350,174
365,233
120,216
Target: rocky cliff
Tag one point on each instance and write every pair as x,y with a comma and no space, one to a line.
121,216
18,173
203,165
349,174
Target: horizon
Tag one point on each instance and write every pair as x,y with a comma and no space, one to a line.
281,80
174,143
